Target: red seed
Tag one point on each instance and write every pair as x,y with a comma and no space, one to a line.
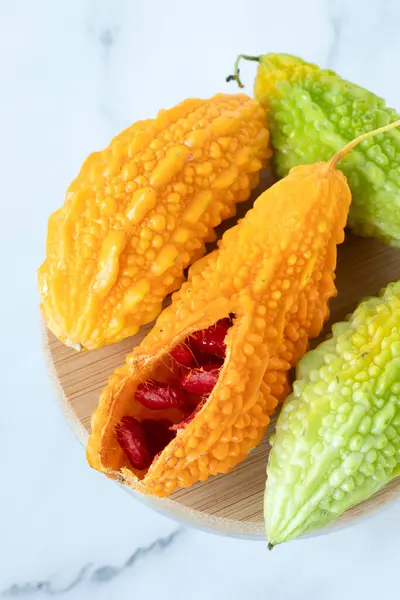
212,340
158,434
183,355
157,395
188,419
132,439
201,381
204,359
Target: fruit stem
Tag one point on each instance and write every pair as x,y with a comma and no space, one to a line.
271,546
236,70
344,151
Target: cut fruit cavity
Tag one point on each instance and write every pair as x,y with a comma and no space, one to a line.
197,363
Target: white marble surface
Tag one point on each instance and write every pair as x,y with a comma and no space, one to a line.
72,73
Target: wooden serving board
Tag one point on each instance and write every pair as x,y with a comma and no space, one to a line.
230,504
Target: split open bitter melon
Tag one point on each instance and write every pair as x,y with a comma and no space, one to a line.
140,212
312,113
195,397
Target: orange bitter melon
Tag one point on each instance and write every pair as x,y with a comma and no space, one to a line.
268,285
140,212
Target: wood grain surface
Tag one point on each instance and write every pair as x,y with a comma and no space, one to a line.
231,504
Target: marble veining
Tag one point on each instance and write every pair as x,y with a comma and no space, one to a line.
91,573
336,21
74,73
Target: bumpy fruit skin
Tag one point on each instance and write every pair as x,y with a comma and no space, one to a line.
140,212
338,435
312,113
274,271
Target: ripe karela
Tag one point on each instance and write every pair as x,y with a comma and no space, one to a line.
312,113
216,363
140,212
337,439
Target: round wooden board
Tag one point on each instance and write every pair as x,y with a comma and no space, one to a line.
230,504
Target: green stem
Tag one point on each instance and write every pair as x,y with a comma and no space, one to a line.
236,71
344,151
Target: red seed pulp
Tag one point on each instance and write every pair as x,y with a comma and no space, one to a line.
190,418
158,434
183,355
157,395
201,381
200,358
211,341
131,437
